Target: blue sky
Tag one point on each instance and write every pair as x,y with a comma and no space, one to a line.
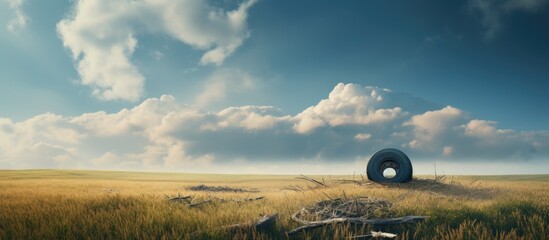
459,80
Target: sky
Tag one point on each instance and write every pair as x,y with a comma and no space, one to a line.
246,86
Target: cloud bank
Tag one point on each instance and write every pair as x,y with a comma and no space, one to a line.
102,36
352,123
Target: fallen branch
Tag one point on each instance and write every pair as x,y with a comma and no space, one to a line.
253,199
309,225
178,198
375,235
239,200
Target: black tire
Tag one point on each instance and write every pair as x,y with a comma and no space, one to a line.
389,158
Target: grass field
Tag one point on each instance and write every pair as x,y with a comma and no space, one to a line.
51,204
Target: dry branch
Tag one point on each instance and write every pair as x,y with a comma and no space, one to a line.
358,210
309,225
253,199
239,200
178,198
375,235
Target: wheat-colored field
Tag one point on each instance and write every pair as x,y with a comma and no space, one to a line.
51,204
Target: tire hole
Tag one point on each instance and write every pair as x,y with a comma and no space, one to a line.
389,173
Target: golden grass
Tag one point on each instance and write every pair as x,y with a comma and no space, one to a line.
52,204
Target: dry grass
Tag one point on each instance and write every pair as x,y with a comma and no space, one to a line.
122,205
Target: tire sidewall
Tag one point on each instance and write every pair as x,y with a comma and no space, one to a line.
404,173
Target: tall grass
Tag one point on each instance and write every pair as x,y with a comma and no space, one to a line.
121,205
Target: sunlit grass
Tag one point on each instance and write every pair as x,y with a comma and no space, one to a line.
50,204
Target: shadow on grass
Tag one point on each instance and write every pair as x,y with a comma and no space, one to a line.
445,188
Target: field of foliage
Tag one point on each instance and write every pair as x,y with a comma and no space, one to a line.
51,204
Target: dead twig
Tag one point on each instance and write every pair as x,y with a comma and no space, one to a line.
303,177
327,196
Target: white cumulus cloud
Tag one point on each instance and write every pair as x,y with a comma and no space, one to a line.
102,36
429,126
347,104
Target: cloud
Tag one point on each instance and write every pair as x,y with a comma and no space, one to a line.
157,55
351,123
429,126
19,19
42,141
492,12
347,105
250,117
223,83
102,36
363,136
